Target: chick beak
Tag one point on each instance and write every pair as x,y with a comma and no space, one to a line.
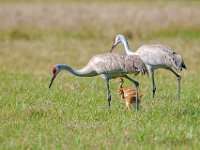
52,79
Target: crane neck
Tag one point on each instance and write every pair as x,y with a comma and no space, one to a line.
122,95
120,84
126,46
120,88
68,68
81,73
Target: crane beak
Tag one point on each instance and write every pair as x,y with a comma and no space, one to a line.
52,79
112,48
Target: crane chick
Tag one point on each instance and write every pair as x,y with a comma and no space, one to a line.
128,94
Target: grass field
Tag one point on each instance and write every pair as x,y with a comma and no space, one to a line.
35,35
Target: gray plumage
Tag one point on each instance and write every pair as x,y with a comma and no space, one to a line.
155,56
109,66
160,56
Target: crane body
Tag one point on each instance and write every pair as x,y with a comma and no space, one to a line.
108,66
155,56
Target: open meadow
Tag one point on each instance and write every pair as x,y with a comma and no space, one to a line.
35,35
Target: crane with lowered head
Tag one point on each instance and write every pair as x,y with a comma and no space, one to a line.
109,66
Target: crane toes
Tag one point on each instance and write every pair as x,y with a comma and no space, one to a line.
153,94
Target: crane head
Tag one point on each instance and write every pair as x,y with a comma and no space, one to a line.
120,80
55,71
116,41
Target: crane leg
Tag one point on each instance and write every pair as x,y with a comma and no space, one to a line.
137,87
108,92
153,83
179,82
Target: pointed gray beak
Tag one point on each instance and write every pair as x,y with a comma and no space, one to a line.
112,48
52,79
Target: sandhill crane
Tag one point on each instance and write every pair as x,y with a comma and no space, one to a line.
128,94
109,66
155,56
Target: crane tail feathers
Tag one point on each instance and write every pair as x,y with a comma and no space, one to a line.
178,62
183,65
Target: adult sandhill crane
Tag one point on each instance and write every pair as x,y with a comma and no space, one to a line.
109,66
155,56
128,94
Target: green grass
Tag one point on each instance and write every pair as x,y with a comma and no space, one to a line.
73,113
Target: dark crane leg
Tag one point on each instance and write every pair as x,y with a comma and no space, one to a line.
179,82
108,92
153,83
137,87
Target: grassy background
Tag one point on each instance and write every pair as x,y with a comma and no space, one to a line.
35,35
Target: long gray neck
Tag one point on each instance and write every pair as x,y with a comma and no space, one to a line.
85,72
126,46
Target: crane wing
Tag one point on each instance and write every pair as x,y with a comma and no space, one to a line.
135,65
